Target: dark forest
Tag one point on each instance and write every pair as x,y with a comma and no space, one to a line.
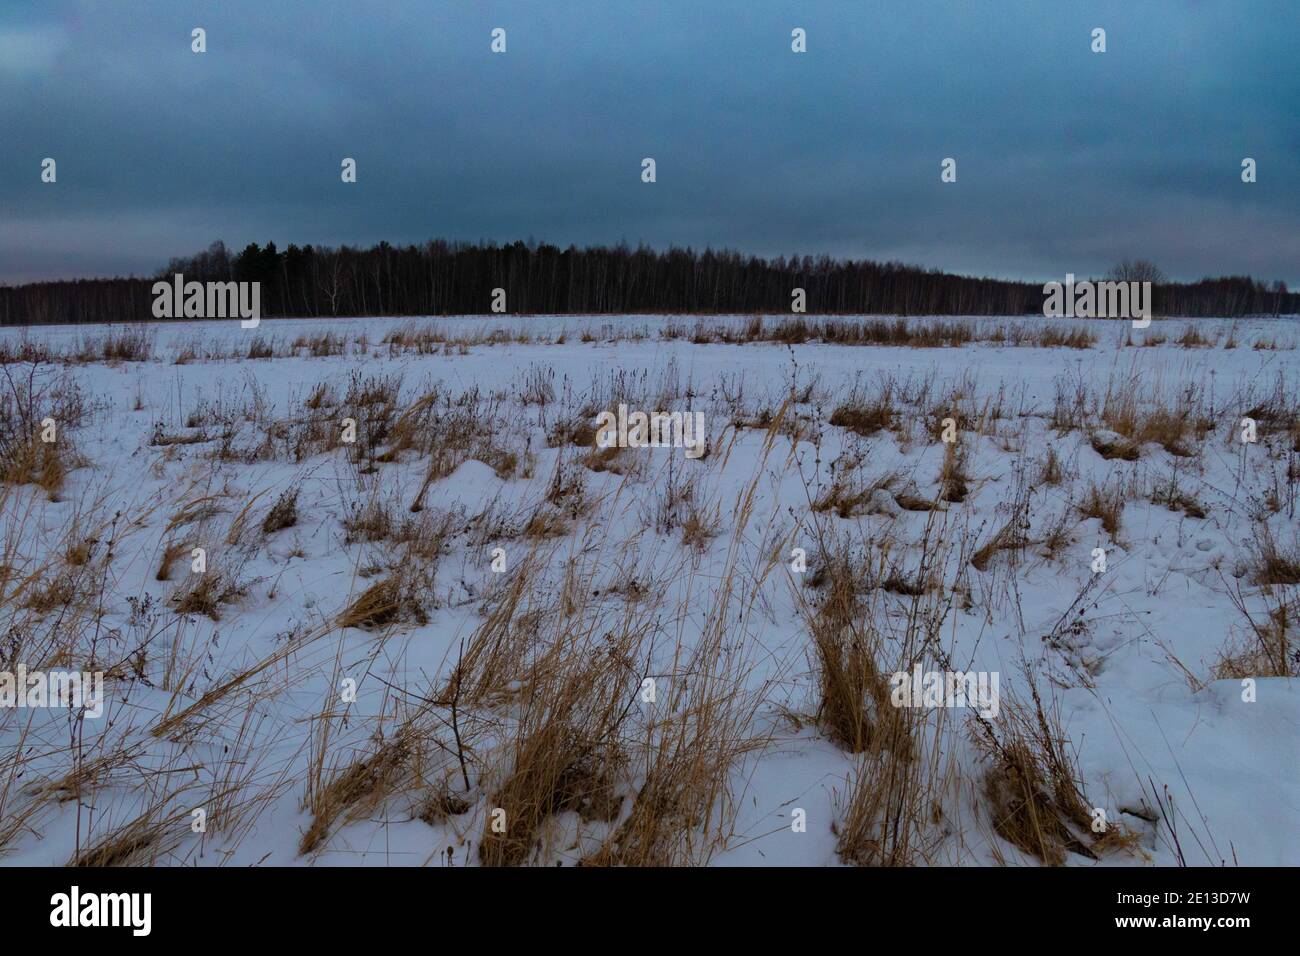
446,278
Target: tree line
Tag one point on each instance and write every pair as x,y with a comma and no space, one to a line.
457,278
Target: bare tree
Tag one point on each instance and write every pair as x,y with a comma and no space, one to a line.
1138,270
332,290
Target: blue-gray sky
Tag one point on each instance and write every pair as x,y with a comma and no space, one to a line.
1067,160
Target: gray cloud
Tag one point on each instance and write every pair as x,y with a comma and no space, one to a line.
1067,160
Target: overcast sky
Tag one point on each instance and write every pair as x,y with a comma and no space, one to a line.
1066,160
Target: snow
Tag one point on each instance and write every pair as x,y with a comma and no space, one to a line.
1230,766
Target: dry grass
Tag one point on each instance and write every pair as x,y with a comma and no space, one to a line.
495,656
683,509
566,751
356,787
853,708
846,497
541,716
1266,651
171,553
206,593
37,416
1192,338
683,810
1172,497
1050,472
390,600
283,514
1111,447
954,482
865,414
892,812
139,843
1123,412
130,343
1106,505
1273,563
1265,647
1033,785
1009,537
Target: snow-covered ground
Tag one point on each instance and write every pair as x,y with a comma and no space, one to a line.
1182,733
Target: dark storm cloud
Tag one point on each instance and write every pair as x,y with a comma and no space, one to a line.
1067,160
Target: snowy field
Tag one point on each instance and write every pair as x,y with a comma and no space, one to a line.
369,592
